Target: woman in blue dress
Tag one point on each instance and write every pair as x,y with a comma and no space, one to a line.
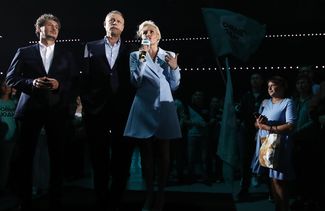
277,115
153,117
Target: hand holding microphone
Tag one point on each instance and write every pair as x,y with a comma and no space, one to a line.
145,45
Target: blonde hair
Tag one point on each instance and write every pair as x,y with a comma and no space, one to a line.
148,23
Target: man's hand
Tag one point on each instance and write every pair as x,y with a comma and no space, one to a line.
46,83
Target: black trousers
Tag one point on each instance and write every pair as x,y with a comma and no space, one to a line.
21,171
111,156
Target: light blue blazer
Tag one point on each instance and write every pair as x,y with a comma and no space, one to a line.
153,112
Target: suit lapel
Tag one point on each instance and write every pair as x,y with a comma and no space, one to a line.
161,54
102,52
56,54
153,66
96,52
120,52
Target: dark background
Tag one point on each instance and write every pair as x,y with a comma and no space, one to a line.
178,19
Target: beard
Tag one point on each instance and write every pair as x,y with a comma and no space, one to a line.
115,32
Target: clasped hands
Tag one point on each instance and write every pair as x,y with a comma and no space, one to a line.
46,83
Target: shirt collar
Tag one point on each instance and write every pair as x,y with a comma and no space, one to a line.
116,44
42,46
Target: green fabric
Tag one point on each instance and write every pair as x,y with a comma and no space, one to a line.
232,33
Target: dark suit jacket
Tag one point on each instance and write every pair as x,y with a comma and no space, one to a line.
26,66
98,93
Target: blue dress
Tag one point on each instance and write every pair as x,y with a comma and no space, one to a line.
153,111
277,114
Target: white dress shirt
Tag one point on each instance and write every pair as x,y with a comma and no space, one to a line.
47,55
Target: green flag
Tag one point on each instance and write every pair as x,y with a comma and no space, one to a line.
227,147
232,33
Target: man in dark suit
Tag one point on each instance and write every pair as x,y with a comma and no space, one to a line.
44,73
106,98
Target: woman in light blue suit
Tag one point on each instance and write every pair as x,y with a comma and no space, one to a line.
153,116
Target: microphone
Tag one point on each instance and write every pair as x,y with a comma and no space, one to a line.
144,42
